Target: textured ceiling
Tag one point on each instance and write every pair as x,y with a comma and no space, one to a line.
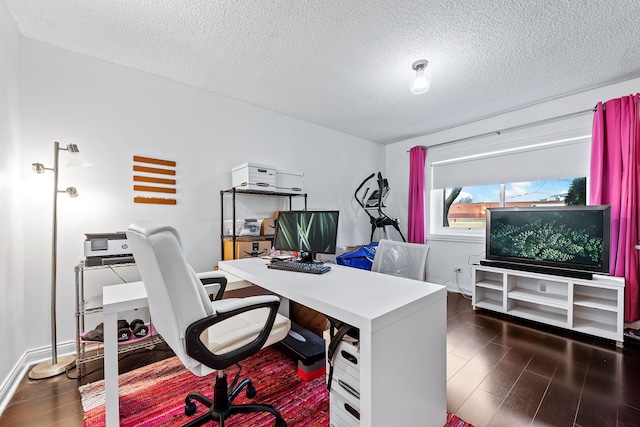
346,65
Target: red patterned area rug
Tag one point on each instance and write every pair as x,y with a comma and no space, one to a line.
154,394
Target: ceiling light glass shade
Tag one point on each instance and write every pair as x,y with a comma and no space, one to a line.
422,83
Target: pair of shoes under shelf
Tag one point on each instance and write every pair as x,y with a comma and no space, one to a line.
136,329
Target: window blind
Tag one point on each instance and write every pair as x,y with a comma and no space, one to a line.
568,158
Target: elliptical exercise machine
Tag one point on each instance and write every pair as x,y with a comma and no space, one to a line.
373,202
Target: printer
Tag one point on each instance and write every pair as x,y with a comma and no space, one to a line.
107,248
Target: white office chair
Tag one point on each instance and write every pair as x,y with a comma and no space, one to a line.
401,259
206,335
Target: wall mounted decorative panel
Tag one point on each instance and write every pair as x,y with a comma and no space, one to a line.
149,180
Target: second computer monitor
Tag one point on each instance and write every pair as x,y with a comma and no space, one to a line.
308,232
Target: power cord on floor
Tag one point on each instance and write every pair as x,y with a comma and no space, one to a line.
455,280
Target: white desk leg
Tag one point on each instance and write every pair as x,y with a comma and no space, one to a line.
112,403
403,370
284,306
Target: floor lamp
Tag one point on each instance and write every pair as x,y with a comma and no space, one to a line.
56,365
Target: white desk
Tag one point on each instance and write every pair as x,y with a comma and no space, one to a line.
402,326
116,299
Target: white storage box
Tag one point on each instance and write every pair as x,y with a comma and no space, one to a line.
228,227
244,227
289,182
250,176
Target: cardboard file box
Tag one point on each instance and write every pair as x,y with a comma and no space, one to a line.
268,227
250,176
289,182
251,249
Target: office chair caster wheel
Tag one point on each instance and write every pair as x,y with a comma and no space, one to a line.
251,392
281,423
189,408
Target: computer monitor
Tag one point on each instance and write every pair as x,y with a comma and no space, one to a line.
307,232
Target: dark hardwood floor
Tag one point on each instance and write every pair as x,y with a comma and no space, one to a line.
56,401
505,372
500,372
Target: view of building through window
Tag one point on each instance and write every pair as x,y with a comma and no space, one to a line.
465,207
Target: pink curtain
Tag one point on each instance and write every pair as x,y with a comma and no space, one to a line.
615,155
417,156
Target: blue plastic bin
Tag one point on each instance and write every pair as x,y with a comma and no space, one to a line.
361,258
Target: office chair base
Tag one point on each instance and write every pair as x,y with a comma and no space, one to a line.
221,406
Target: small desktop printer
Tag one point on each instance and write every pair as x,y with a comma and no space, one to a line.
107,248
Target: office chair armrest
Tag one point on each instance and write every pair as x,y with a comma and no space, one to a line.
213,278
227,305
199,351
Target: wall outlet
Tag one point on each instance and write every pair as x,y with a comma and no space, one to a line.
457,270
543,286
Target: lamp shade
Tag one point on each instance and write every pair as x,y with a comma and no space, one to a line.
76,159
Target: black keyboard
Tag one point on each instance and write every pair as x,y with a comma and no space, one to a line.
303,267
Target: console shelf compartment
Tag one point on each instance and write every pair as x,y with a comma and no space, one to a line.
539,313
490,279
593,307
600,298
549,300
489,298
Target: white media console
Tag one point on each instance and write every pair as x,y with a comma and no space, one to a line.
594,307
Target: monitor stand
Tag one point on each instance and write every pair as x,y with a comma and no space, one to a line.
308,257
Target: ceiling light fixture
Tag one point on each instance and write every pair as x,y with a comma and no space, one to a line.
423,79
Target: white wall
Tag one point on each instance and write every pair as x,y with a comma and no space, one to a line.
12,310
445,254
113,113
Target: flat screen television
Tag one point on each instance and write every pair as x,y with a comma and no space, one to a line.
563,240
307,232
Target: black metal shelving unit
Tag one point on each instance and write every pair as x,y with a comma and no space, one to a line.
233,193
87,351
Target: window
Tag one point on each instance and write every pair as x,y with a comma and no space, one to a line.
465,179
465,207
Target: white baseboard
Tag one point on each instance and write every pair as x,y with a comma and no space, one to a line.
20,369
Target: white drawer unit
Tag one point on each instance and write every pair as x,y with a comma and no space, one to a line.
348,360
289,181
344,409
345,386
251,176
593,307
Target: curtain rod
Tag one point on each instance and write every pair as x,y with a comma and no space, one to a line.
519,127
